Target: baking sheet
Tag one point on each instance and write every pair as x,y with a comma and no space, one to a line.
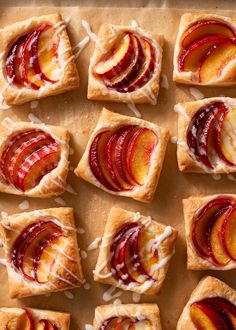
92,205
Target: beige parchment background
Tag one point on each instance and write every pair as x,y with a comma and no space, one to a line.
92,205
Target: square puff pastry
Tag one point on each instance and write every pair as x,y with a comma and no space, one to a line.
208,287
140,311
13,316
187,20
111,120
66,272
186,112
165,234
107,36
194,260
69,78
54,182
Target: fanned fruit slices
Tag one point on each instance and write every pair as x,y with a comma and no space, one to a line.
27,321
126,322
120,159
33,59
27,157
213,231
35,250
210,136
213,313
129,65
207,48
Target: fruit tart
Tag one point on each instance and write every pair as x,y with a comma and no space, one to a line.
210,224
124,156
33,319
41,252
212,306
205,50
206,135
126,65
135,252
36,59
33,159
130,316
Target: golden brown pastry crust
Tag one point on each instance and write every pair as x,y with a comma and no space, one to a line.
69,80
150,311
111,120
53,183
62,320
229,76
67,273
207,287
96,88
194,260
116,219
185,162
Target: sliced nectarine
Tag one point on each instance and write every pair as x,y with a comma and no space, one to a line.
47,54
191,57
217,249
217,59
227,136
117,60
228,233
139,153
205,28
141,325
204,318
24,321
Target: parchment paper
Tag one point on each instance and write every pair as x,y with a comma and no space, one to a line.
92,205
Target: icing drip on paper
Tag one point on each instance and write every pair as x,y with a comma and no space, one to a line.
179,109
24,205
60,201
164,81
92,35
109,294
80,46
136,297
68,294
34,119
133,107
196,93
95,244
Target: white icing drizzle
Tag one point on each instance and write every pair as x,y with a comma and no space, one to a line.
173,139
97,271
161,263
89,327
68,294
117,302
71,190
8,123
136,297
155,243
60,201
216,177
80,46
3,106
164,81
133,107
196,93
94,245
105,240
231,177
109,294
3,262
34,104
147,91
179,109
92,35
34,119
83,254
80,230
4,214
87,286
24,205
134,24
1,242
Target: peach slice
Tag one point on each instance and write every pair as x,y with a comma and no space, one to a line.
228,233
145,71
217,249
205,28
127,74
118,59
191,57
204,318
139,153
24,321
216,59
226,138
47,54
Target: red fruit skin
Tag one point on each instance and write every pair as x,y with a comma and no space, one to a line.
30,318
132,69
213,207
223,231
123,235
34,54
95,165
